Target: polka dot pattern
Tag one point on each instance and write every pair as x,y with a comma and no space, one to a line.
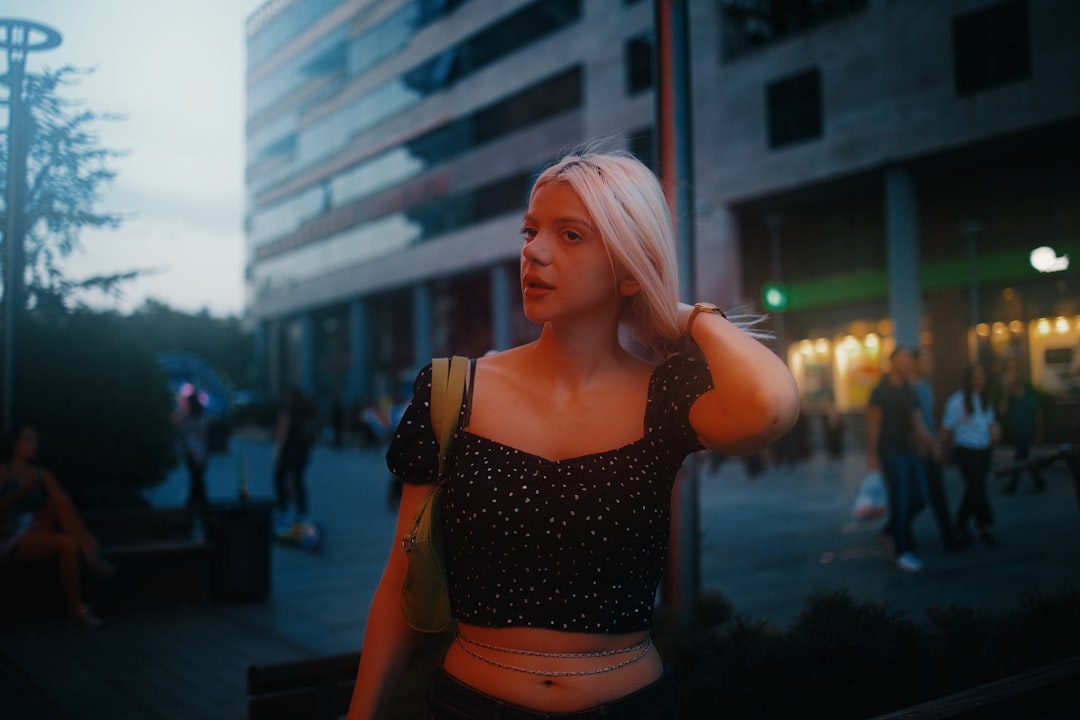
575,545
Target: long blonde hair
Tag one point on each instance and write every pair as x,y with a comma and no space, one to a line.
631,214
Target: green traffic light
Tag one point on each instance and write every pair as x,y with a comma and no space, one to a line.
775,297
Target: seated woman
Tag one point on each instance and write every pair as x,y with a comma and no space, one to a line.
38,520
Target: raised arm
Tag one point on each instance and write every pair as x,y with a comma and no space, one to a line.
389,642
754,399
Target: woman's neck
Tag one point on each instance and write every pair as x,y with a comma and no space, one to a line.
578,356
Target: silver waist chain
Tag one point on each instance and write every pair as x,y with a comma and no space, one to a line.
642,649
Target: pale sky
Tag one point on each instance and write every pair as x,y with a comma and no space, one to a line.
175,70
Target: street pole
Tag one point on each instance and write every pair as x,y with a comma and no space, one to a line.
970,230
682,579
17,37
775,221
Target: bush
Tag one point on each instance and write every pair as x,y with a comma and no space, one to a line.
842,658
100,404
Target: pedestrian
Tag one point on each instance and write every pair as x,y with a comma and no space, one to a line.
951,539
970,426
556,501
193,429
297,430
38,520
895,430
1022,415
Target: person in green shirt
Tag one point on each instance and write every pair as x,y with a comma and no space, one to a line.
1022,413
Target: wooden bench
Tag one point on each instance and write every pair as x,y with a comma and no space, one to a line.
1046,693
158,562
316,689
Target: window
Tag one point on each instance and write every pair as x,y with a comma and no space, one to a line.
991,47
639,64
749,24
794,108
643,147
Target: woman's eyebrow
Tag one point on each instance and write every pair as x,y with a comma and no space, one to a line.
565,220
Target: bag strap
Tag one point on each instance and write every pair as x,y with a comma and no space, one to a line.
447,390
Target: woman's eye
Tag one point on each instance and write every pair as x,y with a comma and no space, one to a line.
528,233
573,236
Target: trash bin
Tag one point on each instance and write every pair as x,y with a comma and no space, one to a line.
240,532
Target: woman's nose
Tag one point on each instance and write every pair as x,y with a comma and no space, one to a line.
535,251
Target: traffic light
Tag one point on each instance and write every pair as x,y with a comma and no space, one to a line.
775,296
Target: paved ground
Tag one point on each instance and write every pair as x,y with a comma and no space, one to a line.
767,543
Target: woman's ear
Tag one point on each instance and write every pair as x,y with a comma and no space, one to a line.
628,287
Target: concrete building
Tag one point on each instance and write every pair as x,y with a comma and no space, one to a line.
877,171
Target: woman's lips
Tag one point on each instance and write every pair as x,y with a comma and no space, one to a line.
533,286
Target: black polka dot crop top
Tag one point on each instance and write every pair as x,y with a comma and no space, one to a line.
575,545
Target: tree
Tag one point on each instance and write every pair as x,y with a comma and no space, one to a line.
100,403
66,170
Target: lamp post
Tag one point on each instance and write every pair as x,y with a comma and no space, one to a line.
970,230
17,37
775,221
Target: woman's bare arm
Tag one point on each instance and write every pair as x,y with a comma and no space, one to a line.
754,399
389,642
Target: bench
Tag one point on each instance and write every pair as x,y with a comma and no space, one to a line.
316,689
1045,693
158,562
320,688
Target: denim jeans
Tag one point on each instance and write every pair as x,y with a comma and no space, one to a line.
905,480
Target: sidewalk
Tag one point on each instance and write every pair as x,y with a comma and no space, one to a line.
766,544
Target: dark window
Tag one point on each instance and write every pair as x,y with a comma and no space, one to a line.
515,32
991,47
794,108
559,93
749,24
643,146
639,64
526,107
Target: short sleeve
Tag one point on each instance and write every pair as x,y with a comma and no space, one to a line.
675,386
953,412
413,454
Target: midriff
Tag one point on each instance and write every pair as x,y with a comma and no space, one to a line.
489,673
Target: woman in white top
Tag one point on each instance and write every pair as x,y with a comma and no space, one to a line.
969,422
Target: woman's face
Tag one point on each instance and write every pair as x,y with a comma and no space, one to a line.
978,379
565,269
26,444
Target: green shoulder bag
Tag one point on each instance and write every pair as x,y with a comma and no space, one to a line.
425,597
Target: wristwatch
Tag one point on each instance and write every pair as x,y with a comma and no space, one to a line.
703,307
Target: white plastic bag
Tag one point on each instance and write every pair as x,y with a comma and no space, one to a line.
870,500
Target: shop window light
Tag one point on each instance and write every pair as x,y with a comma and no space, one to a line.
1016,326
821,346
1061,325
983,330
1043,326
999,328
872,341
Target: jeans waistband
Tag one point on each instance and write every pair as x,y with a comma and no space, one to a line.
448,698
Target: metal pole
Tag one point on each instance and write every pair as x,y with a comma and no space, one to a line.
774,221
970,230
19,38
674,151
12,233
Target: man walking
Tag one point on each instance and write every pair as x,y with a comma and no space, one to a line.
894,429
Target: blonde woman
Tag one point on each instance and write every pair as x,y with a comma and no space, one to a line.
558,490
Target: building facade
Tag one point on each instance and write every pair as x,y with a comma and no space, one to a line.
876,171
